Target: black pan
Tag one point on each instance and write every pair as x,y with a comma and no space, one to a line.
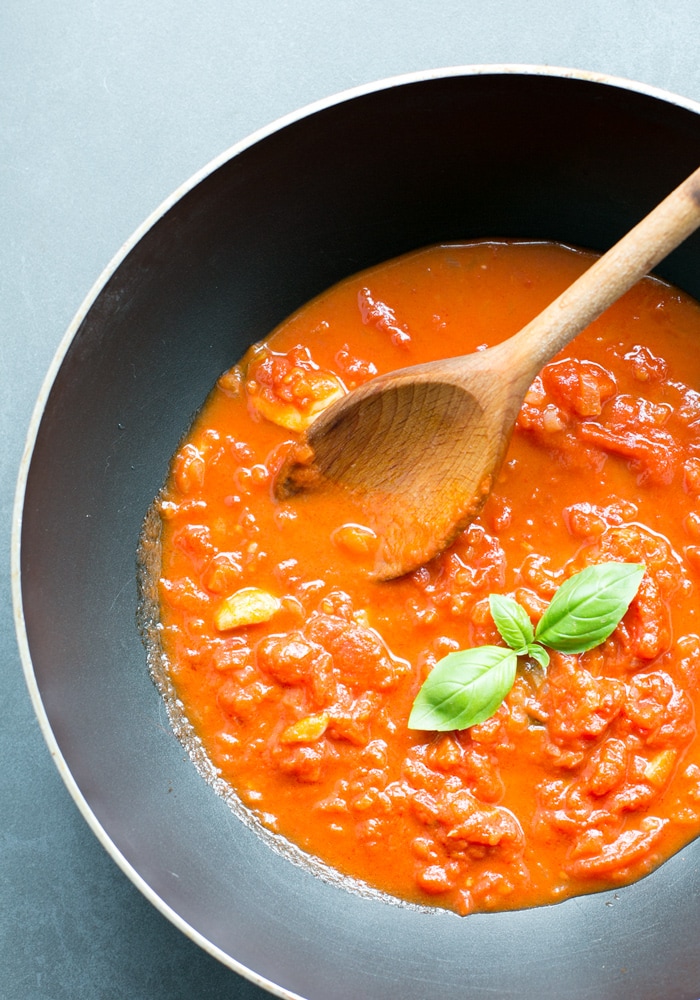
441,156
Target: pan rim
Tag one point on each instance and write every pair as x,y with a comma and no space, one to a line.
279,124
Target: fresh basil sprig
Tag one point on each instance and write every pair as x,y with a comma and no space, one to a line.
466,687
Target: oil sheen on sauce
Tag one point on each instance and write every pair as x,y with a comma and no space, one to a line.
297,672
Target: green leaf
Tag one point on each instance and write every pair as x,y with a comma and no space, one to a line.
464,688
539,653
512,621
588,606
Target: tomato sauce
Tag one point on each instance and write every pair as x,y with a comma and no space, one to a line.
297,671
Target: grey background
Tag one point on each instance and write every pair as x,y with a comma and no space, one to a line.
105,108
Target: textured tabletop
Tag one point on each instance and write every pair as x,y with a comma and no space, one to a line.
106,107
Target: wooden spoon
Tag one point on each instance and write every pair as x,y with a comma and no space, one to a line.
418,449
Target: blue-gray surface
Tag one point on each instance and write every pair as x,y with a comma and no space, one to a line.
106,107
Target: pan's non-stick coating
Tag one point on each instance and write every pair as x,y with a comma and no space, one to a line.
450,156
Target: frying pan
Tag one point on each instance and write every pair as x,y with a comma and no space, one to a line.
449,155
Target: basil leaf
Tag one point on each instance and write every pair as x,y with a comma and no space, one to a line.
588,606
464,688
512,622
538,653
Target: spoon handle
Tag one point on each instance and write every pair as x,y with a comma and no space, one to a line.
630,259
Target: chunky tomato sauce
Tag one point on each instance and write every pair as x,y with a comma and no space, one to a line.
297,671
